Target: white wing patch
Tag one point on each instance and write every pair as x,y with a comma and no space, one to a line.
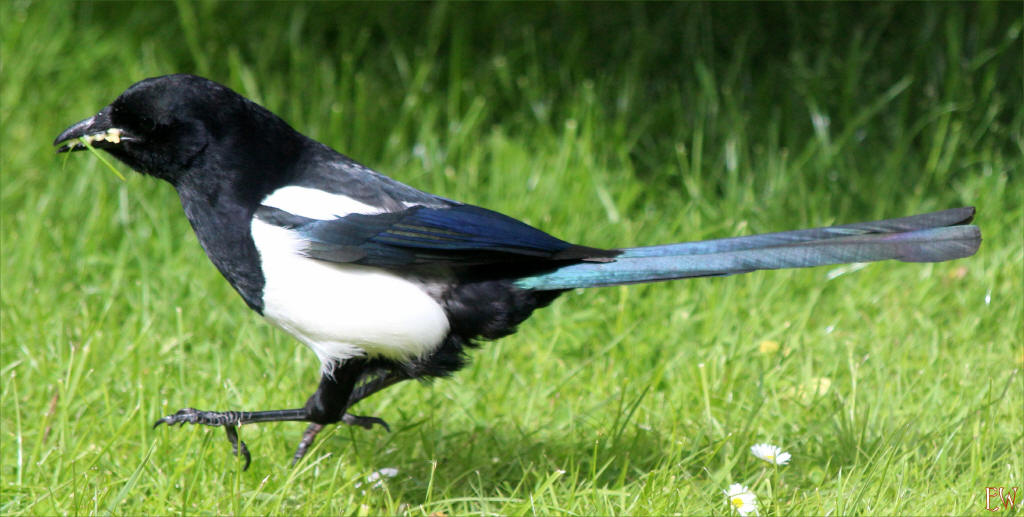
316,204
344,310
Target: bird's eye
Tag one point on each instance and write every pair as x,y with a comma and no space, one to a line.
147,123
127,117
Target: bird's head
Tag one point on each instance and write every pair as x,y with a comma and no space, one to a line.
175,126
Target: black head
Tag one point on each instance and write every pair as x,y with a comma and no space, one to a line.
176,126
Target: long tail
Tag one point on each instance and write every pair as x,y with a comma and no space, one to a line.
933,237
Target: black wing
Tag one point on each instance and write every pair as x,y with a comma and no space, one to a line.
419,235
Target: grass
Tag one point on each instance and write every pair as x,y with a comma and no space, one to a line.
896,387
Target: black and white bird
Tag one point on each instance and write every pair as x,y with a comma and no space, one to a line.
385,282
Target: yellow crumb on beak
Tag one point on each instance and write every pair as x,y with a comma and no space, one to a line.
112,135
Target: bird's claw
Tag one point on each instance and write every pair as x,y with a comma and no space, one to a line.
228,419
187,415
237,444
366,422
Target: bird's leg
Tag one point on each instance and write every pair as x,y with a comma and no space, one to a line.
376,384
359,393
368,388
326,406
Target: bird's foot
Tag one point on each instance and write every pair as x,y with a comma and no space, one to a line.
307,439
228,419
366,422
198,416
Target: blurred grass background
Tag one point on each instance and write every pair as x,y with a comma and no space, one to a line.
896,387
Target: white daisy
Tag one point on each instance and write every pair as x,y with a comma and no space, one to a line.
770,453
741,499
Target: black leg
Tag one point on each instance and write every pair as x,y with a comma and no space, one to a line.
307,439
376,384
359,393
327,405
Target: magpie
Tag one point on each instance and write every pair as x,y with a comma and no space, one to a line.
387,283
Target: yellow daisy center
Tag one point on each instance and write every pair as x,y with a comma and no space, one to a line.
737,502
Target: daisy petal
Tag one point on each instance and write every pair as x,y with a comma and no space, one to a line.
741,499
770,453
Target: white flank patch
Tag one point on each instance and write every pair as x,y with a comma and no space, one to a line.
344,310
316,204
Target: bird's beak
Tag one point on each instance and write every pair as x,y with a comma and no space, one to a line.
96,130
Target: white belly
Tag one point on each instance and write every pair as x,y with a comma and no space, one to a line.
344,310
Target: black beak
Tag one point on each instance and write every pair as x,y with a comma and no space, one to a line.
97,128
